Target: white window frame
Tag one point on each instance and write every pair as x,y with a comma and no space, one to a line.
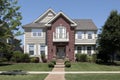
91,33
81,34
64,34
39,48
28,49
37,31
89,50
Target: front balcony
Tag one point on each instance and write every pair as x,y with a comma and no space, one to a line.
60,37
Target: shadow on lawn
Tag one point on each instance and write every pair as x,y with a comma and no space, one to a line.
5,64
109,63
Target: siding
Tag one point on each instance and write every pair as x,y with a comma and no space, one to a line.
30,39
85,41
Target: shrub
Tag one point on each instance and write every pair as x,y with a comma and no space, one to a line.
50,65
34,59
25,58
53,61
17,56
89,58
43,58
94,58
67,64
81,57
3,59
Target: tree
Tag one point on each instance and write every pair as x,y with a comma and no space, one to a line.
109,38
9,23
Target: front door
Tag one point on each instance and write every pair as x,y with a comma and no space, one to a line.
60,52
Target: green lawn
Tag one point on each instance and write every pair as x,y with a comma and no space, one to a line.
84,66
92,76
26,67
23,77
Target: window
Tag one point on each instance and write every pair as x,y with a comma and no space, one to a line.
89,50
61,32
31,49
79,49
79,35
42,49
37,32
89,36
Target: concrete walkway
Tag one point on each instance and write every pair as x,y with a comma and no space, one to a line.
59,67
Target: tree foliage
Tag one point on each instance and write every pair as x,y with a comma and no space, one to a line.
109,38
9,24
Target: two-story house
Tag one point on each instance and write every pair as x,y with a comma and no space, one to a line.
57,35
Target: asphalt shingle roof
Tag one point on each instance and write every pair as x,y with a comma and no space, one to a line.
85,24
34,25
82,24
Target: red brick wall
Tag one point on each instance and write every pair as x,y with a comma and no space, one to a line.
52,45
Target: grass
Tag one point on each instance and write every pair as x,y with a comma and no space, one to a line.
23,77
85,66
26,67
92,76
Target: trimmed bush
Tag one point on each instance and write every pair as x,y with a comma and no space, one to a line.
67,64
81,57
50,65
34,59
53,61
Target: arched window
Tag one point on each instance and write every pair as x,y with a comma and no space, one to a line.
61,32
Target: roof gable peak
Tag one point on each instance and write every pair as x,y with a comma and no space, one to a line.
44,14
57,15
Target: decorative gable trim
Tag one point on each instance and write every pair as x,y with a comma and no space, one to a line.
40,17
61,13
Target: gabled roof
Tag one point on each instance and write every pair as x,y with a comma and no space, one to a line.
85,24
59,14
40,17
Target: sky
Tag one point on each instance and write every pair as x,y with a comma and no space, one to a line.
97,10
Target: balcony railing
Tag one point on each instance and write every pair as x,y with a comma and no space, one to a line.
60,37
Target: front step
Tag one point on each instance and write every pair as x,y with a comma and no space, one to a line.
60,61
59,66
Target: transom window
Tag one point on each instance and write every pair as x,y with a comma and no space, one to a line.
37,32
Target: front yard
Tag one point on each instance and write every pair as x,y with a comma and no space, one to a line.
92,76
26,67
85,66
23,77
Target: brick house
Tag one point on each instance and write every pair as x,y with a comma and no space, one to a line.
57,35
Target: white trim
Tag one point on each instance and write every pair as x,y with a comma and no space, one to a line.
27,48
46,50
24,43
34,49
85,43
44,14
61,13
39,49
